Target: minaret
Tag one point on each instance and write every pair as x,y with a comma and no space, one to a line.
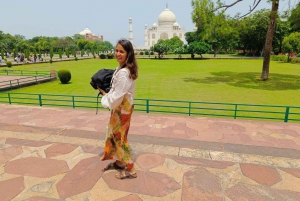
130,31
146,35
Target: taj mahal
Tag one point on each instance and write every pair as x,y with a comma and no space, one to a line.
166,28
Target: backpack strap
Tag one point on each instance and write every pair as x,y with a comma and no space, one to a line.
97,102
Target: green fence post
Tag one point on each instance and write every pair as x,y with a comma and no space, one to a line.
147,106
40,100
10,84
18,83
9,100
235,110
286,117
190,104
6,72
21,72
73,101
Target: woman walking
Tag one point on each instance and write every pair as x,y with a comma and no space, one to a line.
120,101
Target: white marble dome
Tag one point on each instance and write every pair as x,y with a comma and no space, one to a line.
167,17
175,24
154,25
85,31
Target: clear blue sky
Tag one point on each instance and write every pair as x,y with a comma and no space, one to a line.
108,18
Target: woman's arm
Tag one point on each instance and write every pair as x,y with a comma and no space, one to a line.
102,91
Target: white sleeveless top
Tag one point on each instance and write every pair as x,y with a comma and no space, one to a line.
122,86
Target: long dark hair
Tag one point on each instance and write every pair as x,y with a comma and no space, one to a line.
131,63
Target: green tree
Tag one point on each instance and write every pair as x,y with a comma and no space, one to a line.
60,53
7,43
160,47
77,37
22,46
93,53
64,42
214,28
269,39
179,50
51,53
27,54
19,37
43,45
294,18
1,35
15,53
174,43
82,53
271,28
81,43
282,30
100,48
198,48
67,52
108,46
291,43
89,45
252,31
192,36
55,44
72,47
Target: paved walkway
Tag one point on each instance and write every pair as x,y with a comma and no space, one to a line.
8,82
53,154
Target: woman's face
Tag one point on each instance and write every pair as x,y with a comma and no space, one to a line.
121,54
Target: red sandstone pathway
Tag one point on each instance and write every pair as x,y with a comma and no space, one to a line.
222,131
53,154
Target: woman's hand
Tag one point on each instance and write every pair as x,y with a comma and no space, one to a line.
102,91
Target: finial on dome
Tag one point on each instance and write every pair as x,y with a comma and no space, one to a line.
167,5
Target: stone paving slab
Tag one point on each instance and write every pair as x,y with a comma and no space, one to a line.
160,177
53,162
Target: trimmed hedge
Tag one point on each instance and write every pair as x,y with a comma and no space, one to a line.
64,76
279,58
284,58
9,64
110,56
295,60
102,56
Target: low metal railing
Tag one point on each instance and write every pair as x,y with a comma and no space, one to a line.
24,72
211,109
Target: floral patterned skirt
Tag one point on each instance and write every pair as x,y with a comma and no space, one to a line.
116,144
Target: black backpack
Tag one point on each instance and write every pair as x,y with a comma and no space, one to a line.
102,79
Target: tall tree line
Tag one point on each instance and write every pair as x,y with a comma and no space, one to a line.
43,44
256,32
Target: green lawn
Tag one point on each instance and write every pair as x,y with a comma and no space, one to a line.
230,81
